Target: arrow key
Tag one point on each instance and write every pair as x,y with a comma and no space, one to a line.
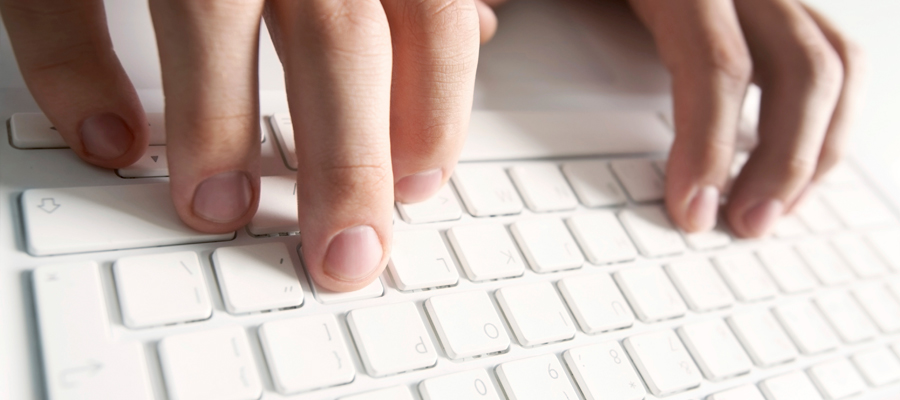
153,164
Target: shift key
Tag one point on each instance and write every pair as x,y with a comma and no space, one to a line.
100,218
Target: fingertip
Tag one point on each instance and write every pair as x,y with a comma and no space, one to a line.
757,220
418,187
353,259
487,21
108,141
702,209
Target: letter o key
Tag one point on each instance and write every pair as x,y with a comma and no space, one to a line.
491,331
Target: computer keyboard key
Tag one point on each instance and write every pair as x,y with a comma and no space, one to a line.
789,226
536,378
602,238
535,313
824,262
857,206
878,366
80,360
846,317
650,293
466,385
277,212
387,349
715,349
640,178
547,244
99,218
596,302
878,303
420,260
443,206
790,386
886,244
604,371
467,324
816,215
652,231
787,269
745,276
594,183
284,134
663,362
371,291
485,251
837,379
762,337
859,256
715,238
700,284
306,353
35,131
746,392
212,364
806,327
153,163
543,187
257,277
161,289
486,190
392,393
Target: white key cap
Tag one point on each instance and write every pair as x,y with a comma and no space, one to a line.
537,378
603,371
547,244
816,215
716,350
650,293
859,256
594,183
596,302
152,164
824,262
371,291
878,303
896,348
652,232
640,178
387,349
84,219
420,260
856,206
467,385
712,239
543,187
161,289
789,226
837,379
306,353
213,364
700,285
257,277
391,393
663,362
535,313
660,166
846,317
791,386
284,133
486,190
467,324
277,211
806,327
786,267
878,366
745,276
440,207
886,244
602,238
746,392
486,252
893,285
762,337
35,131
80,360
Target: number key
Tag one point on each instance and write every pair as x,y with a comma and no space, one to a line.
474,385
537,378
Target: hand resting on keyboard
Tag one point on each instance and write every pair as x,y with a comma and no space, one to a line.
380,94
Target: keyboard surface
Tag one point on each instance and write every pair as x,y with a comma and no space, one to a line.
528,278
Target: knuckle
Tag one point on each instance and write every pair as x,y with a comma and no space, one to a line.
355,19
830,156
730,63
443,16
798,170
355,179
819,64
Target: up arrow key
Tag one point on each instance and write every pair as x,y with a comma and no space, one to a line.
155,158
49,205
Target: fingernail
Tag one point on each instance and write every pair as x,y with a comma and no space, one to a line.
106,136
224,197
703,208
759,219
419,187
353,254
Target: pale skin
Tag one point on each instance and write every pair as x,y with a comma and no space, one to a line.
380,93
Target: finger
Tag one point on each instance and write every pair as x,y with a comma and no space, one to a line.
801,76
435,50
208,52
67,60
701,44
337,61
487,21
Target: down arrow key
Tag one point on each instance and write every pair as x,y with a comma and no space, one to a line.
48,204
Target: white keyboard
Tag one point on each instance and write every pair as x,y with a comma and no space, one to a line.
546,279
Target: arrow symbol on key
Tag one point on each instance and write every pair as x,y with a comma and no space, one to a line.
154,158
48,205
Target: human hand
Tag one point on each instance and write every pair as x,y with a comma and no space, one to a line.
379,91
